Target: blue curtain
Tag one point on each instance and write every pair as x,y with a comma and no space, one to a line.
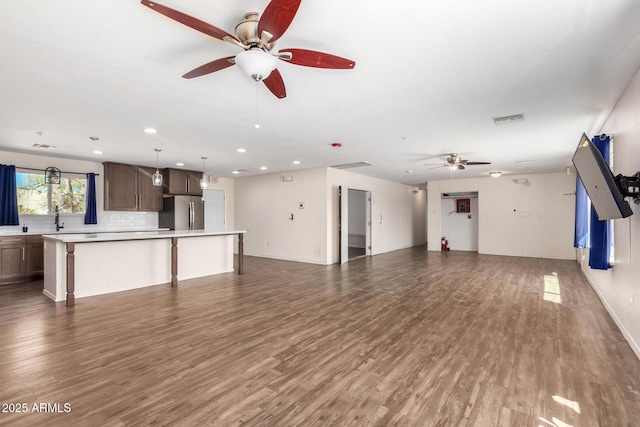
581,232
91,213
600,231
8,196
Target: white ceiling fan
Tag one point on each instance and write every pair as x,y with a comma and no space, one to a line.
454,161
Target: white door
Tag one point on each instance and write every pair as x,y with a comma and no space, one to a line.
214,210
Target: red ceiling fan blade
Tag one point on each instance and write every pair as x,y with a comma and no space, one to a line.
189,21
277,17
211,67
275,84
311,58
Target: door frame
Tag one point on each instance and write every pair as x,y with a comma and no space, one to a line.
343,223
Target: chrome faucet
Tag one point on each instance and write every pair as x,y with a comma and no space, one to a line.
57,219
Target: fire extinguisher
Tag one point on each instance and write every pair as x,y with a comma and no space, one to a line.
443,244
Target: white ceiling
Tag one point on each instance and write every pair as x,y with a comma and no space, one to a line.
429,77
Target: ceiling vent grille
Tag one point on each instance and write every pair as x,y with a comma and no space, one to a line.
352,165
508,119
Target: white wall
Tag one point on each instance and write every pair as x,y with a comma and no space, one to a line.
514,219
106,219
264,204
397,212
460,229
617,285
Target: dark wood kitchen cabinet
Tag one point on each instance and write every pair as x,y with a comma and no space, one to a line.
178,182
21,258
35,256
129,188
12,258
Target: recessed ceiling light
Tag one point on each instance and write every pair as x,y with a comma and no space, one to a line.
296,162
150,130
235,172
241,150
179,164
495,174
97,152
263,168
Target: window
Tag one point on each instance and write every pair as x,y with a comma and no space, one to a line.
36,197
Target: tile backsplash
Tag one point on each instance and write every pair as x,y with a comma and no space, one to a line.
107,221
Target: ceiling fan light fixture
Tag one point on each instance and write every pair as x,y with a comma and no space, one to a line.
495,174
256,63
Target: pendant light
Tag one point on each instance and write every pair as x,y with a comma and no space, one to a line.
204,182
157,177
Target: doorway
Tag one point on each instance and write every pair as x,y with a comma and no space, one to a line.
354,223
459,220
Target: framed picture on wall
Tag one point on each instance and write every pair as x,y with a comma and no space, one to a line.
463,205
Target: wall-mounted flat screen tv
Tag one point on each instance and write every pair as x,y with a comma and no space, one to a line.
605,195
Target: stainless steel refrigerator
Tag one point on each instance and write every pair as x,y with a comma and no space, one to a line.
182,213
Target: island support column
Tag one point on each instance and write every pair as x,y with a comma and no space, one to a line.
71,274
174,262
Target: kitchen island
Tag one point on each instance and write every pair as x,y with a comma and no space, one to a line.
82,265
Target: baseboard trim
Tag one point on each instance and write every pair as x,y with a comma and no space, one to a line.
49,295
634,345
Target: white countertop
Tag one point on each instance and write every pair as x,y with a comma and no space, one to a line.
137,235
37,232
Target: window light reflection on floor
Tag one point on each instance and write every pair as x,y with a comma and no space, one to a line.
554,423
569,403
552,289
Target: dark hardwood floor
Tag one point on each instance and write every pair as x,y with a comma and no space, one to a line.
408,338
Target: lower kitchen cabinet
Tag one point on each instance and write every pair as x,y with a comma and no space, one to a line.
35,256
21,258
13,264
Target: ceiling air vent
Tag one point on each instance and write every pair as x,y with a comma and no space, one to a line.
508,119
352,165
42,146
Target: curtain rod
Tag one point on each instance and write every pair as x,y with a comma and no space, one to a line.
43,171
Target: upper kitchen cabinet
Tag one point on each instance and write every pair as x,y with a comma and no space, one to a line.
182,182
130,188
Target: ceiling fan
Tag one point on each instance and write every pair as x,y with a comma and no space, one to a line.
454,161
256,35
